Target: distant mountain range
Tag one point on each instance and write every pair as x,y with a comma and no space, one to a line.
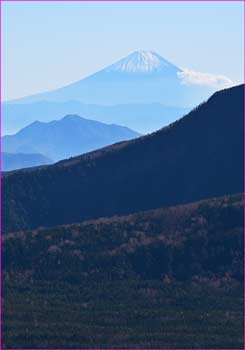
199,156
142,91
143,118
13,161
68,137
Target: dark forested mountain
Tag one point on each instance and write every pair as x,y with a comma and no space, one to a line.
198,239
168,277
13,161
65,138
199,156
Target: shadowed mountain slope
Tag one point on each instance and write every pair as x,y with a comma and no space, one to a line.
168,277
199,156
181,242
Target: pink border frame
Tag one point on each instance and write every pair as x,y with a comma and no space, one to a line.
122,1
1,345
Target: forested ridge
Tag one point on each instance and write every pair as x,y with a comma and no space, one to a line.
200,156
169,277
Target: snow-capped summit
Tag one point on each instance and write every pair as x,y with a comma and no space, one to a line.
142,77
141,62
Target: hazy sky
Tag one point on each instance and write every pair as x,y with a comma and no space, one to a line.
47,45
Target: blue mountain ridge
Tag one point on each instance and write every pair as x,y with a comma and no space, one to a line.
70,136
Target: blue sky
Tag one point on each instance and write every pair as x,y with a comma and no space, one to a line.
48,45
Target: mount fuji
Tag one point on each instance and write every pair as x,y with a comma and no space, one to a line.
141,77
142,91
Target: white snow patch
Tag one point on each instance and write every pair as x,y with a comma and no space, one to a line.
140,62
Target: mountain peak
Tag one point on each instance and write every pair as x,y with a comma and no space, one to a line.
72,117
141,61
